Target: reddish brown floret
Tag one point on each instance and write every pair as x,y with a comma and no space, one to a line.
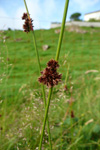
53,64
50,76
28,26
25,16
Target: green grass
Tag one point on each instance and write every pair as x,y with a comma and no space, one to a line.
21,106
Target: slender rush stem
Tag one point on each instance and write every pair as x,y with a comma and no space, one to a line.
62,30
43,90
45,117
56,58
37,53
48,127
26,7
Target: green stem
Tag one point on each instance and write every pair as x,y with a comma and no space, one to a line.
62,30
56,58
45,117
37,53
26,7
48,127
43,90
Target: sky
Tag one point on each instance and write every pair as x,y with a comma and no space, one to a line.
43,12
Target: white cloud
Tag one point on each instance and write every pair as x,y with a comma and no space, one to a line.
49,8
5,21
41,13
84,5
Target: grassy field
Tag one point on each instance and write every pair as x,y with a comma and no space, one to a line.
21,106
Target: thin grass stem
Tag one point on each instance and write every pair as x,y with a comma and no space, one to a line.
39,65
56,58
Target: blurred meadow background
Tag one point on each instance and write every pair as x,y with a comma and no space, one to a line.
74,113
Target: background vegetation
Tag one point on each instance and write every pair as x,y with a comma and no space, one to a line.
75,16
21,106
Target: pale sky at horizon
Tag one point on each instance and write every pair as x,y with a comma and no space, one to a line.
43,12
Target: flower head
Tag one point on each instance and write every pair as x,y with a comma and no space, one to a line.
50,76
28,26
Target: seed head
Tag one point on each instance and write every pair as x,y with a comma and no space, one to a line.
50,76
28,26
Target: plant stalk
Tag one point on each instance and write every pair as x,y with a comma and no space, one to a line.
39,65
45,117
62,30
56,58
